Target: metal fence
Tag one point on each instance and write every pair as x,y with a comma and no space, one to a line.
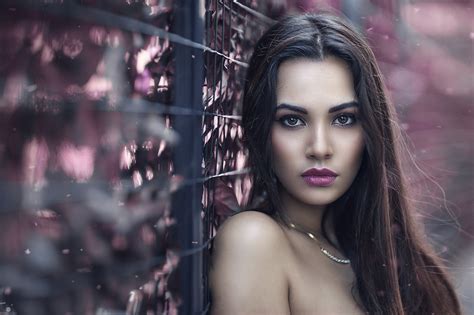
232,27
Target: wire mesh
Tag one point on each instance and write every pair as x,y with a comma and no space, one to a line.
232,28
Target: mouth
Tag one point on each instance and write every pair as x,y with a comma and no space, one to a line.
319,177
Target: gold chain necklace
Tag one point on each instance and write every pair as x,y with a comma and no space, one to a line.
313,237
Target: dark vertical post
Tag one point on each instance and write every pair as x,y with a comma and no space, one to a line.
186,202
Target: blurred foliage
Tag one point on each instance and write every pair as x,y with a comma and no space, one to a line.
86,158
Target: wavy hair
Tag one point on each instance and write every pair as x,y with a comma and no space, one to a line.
396,270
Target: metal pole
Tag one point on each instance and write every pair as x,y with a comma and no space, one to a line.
186,202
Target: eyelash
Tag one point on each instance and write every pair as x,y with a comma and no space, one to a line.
350,116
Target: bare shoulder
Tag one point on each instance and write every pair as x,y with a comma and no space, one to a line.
248,272
252,235
253,227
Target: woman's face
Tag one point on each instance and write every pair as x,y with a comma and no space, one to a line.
317,140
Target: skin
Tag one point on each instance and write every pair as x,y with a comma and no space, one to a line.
315,139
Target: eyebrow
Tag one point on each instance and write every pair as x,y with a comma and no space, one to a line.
301,110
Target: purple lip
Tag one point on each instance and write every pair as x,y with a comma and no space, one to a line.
319,181
319,177
319,172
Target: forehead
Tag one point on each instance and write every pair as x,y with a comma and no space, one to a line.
314,83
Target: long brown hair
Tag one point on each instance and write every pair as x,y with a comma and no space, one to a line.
396,270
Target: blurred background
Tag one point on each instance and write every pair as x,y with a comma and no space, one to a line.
120,141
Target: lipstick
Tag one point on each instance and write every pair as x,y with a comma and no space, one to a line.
319,177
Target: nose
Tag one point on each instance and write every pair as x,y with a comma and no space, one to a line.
319,144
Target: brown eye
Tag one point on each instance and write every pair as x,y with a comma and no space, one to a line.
291,121
345,120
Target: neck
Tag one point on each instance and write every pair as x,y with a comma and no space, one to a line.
306,216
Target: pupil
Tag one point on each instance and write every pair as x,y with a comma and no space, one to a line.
343,119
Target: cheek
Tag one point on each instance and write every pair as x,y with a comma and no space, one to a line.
348,146
355,147
284,149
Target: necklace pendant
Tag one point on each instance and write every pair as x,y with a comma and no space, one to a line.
313,237
334,258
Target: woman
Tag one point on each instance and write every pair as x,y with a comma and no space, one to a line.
333,233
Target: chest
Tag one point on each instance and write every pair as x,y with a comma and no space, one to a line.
318,285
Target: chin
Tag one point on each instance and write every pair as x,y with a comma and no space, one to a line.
319,198
320,201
